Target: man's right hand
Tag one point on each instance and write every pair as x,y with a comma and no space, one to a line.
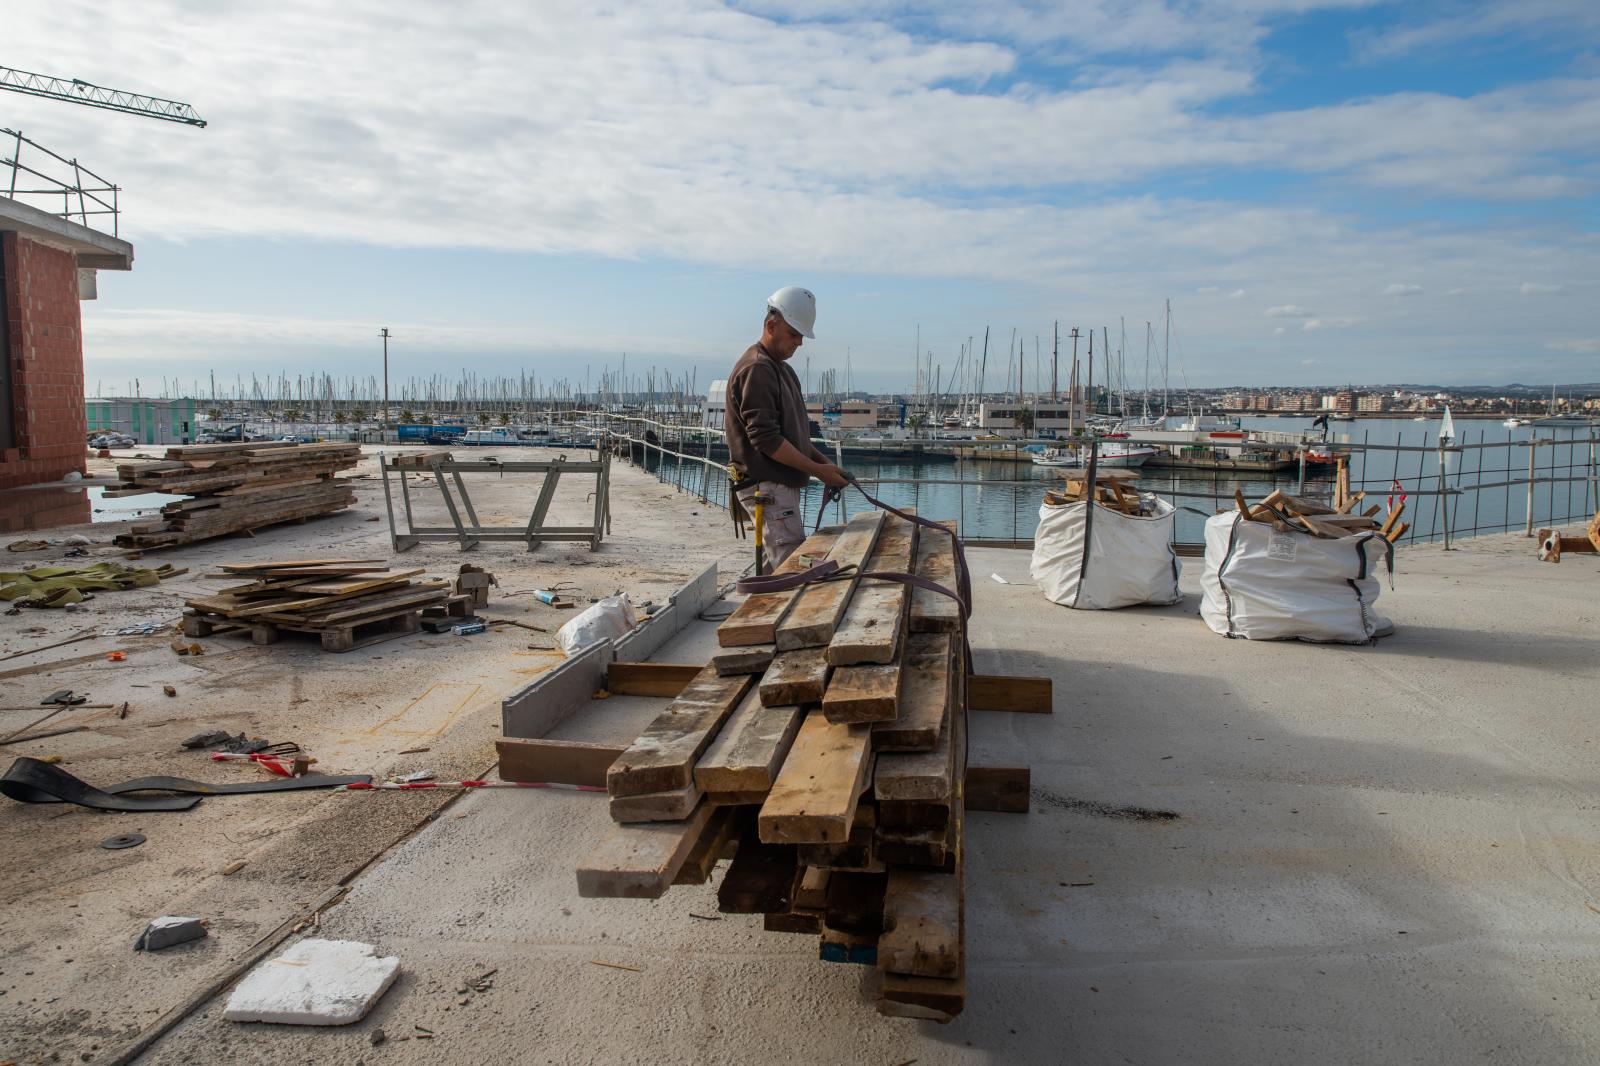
832,476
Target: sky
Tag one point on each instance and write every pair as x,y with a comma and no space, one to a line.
1327,191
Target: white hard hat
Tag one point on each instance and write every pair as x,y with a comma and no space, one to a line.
797,306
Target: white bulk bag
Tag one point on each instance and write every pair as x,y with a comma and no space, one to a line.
1263,584
1103,559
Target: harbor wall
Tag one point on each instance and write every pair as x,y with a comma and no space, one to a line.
43,350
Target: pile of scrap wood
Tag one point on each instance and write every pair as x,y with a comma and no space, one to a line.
236,487
824,745
1113,487
346,602
1330,522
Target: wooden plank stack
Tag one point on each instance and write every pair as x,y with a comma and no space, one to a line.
826,744
233,488
1331,522
345,602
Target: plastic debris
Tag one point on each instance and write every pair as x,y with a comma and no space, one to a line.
166,931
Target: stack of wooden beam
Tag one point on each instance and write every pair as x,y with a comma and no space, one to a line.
1328,521
236,487
824,745
345,602
1114,488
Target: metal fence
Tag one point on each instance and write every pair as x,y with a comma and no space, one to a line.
1469,487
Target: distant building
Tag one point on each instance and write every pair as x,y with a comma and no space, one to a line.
47,265
146,421
1375,401
1005,418
712,414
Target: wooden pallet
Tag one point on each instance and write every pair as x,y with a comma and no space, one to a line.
341,636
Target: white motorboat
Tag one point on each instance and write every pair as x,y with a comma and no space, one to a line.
1112,454
1514,423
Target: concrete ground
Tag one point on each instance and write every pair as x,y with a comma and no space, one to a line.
1378,854
70,984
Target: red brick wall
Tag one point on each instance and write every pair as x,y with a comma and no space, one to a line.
46,346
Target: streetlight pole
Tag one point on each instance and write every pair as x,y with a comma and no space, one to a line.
383,423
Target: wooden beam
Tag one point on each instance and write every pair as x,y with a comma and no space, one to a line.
755,621
917,776
875,617
814,798
668,806
932,612
925,695
997,692
922,923
752,659
1004,789
640,861
649,679
701,861
816,613
795,677
762,879
743,760
562,762
863,694
662,758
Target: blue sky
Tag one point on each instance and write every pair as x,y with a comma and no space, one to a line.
1326,191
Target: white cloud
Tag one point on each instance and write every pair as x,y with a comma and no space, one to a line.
1581,345
1288,311
1327,323
1308,361
1278,331
1235,294
1206,289
1398,289
1531,288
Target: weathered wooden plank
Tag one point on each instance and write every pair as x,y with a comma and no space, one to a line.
922,923
932,612
816,613
640,861
926,690
854,854
753,659
917,776
761,880
873,620
650,679
667,806
863,694
813,889
744,758
1004,789
814,798
725,825
994,692
799,676
798,920
662,758
910,815
755,621
563,762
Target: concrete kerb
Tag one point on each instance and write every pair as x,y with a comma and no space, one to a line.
550,699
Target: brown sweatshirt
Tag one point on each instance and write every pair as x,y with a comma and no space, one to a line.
766,407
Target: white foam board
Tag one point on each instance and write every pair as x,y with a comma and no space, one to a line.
315,982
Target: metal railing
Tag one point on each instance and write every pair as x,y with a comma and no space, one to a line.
1470,487
79,200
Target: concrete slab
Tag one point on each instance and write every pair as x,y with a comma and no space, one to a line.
1237,852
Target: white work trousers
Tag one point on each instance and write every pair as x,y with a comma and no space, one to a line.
783,527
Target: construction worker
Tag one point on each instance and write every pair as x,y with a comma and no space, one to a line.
769,432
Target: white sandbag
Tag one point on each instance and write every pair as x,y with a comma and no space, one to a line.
1263,584
1109,560
607,619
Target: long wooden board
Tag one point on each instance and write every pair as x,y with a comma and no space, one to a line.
814,798
816,614
873,620
650,679
919,776
563,762
641,861
755,621
922,923
662,758
745,756
994,692
1004,789
863,694
749,659
932,612
702,858
926,689
761,880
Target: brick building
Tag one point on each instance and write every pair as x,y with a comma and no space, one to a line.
47,265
